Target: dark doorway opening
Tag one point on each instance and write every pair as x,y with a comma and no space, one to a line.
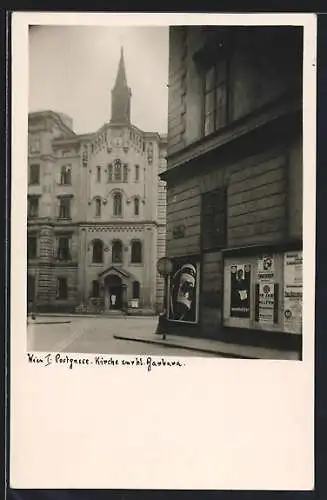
115,292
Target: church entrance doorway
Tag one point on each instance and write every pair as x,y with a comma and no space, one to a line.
114,292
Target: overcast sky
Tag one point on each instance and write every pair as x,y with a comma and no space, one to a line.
73,69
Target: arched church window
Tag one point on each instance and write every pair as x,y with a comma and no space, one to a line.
136,289
137,173
97,256
136,253
98,207
125,173
117,171
117,252
117,204
136,206
110,174
98,174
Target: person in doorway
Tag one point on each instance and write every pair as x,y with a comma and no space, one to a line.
113,300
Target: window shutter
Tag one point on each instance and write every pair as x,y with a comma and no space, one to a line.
70,246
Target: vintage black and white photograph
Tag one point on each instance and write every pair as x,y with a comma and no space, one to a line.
163,238
165,190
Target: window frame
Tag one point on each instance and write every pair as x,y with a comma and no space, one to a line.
100,244
65,179
64,248
208,230
35,238
133,260
31,181
117,195
121,247
30,199
66,199
98,207
224,59
62,279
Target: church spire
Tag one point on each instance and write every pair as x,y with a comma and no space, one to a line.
121,95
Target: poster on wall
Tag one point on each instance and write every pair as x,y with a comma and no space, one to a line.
267,303
183,298
265,268
240,290
293,292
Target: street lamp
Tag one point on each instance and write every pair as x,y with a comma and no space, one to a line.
164,268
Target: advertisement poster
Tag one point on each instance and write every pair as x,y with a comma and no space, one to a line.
184,292
240,290
266,303
265,268
293,292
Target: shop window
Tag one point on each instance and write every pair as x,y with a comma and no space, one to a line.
213,219
34,174
95,289
136,289
63,248
98,207
97,254
31,247
117,252
215,97
117,204
263,291
33,206
64,207
66,175
136,252
62,289
136,206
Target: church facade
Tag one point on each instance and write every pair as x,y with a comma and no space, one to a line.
96,212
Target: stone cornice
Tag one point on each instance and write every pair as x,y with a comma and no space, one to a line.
287,105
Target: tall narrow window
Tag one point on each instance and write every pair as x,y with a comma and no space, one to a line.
31,247
98,207
215,97
125,173
97,256
117,171
34,174
117,252
136,253
137,173
110,172
66,175
117,204
35,144
64,207
98,174
213,219
136,289
62,288
136,206
33,206
63,248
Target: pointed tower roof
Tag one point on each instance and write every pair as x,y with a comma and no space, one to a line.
121,95
121,80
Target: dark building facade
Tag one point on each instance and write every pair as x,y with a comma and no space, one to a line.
234,184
